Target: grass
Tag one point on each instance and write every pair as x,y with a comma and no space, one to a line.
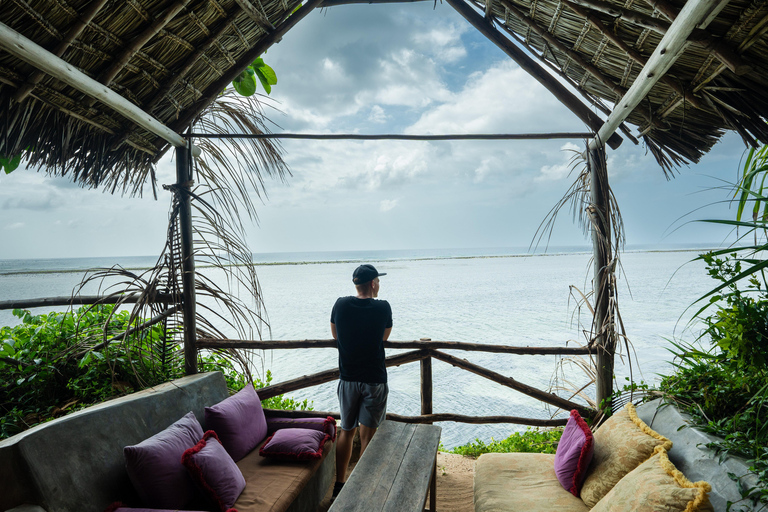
533,440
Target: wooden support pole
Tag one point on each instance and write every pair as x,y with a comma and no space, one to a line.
183,186
533,68
74,32
426,409
603,329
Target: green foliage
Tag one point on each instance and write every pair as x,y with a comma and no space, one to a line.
533,440
246,83
49,366
10,163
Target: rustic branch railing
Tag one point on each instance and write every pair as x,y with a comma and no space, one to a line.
425,351
160,298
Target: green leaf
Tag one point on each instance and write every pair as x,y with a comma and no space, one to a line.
264,81
10,164
268,73
245,85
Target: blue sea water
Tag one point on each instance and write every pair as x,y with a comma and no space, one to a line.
494,296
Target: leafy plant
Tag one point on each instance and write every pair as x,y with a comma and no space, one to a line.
245,84
533,440
50,364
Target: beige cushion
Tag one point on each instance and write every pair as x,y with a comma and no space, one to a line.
656,485
272,486
523,482
622,443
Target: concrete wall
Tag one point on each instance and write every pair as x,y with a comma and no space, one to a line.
691,456
76,463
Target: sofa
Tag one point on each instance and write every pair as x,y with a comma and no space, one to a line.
79,462
622,466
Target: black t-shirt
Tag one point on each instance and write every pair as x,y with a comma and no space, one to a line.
360,326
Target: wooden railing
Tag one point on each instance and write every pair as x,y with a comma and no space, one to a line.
425,351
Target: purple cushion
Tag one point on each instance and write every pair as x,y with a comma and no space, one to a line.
154,465
327,425
238,421
214,471
295,444
131,509
574,453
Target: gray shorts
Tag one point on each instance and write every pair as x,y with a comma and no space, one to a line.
362,403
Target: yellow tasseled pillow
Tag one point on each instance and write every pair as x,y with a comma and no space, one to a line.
622,443
656,485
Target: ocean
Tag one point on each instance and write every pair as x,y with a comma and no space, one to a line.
495,296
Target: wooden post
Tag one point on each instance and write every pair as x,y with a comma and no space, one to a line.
183,185
599,210
426,408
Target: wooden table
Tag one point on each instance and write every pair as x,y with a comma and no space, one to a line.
394,472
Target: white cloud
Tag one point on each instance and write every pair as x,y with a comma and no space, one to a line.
377,115
15,225
443,41
563,169
387,204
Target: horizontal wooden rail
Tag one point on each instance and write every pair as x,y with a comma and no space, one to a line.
426,418
543,396
160,298
395,136
331,375
211,343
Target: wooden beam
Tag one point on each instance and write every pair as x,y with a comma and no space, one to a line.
429,418
138,43
633,54
666,53
575,56
32,53
133,298
225,344
257,16
722,50
554,86
212,91
74,32
335,3
331,375
531,391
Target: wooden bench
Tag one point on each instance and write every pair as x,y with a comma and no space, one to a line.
395,471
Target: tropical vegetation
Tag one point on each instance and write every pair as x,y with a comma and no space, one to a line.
55,363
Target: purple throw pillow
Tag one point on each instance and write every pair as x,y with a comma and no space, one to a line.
154,465
238,421
327,425
574,453
214,471
295,444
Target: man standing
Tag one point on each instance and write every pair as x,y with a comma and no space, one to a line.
360,325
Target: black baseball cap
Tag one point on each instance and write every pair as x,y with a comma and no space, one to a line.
365,273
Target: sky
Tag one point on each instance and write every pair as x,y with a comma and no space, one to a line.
398,68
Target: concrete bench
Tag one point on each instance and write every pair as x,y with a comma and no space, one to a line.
76,463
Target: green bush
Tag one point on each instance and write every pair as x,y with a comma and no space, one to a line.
50,364
533,440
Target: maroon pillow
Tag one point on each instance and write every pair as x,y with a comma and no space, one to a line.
574,453
214,471
295,444
154,465
238,421
327,425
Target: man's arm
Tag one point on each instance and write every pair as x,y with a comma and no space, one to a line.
336,336
386,333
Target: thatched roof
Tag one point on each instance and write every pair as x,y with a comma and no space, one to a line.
171,58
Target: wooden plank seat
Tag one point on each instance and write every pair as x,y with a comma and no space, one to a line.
394,472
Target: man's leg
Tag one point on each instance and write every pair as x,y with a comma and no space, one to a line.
366,434
344,452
